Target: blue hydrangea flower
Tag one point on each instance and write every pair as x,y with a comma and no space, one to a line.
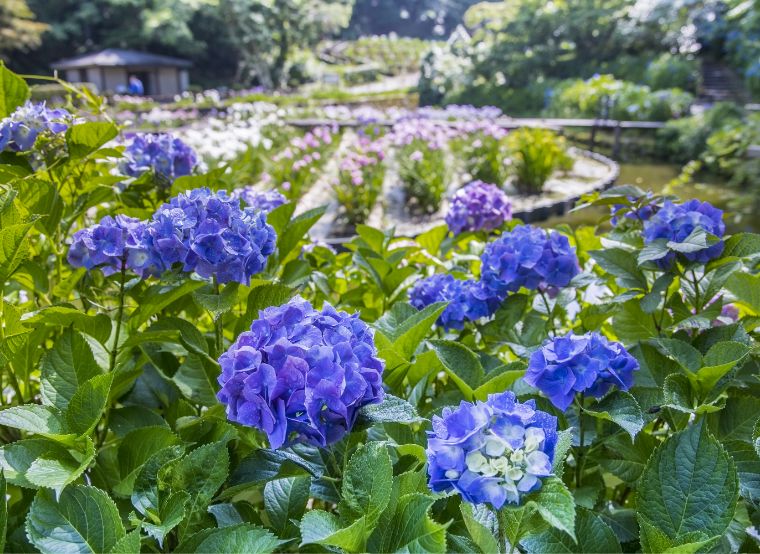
208,233
588,364
110,244
162,153
20,130
468,300
675,222
265,201
491,452
528,257
300,374
478,206
643,212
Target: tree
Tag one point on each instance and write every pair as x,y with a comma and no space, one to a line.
267,31
18,29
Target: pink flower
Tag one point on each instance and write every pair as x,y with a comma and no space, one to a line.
416,156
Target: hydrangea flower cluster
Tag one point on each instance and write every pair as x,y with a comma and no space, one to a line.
478,206
468,300
111,245
19,131
264,200
675,222
210,234
300,374
588,364
528,257
491,452
201,231
162,153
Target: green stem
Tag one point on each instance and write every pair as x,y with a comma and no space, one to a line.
695,282
119,314
549,311
581,431
218,330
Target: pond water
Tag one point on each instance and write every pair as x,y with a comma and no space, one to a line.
656,177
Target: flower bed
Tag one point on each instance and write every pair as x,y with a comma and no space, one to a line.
185,370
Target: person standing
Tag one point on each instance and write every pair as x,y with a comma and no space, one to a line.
136,86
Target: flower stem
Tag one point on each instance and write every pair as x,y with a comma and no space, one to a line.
218,330
119,315
581,431
695,282
549,311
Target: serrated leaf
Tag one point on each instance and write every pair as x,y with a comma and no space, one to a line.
3,510
391,410
285,501
136,449
747,468
719,360
65,367
157,297
406,327
14,248
741,245
622,264
621,408
481,524
319,527
689,485
234,538
367,481
84,138
84,519
594,536
33,418
58,471
13,91
88,403
555,505
746,289
461,364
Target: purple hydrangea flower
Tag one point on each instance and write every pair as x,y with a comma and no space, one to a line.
162,153
588,364
19,131
300,374
468,300
111,244
478,206
675,222
528,257
208,233
265,201
491,452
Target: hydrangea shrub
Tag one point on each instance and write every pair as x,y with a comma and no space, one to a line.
199,375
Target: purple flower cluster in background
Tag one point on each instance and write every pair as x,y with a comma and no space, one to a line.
161,153
528,257
675,222
264,200
202,231
20,130
300,374
588,364
478,206
468,300
111,245
491,452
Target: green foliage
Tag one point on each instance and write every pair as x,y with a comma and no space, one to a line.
112,438
669,71
536,155
605,96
